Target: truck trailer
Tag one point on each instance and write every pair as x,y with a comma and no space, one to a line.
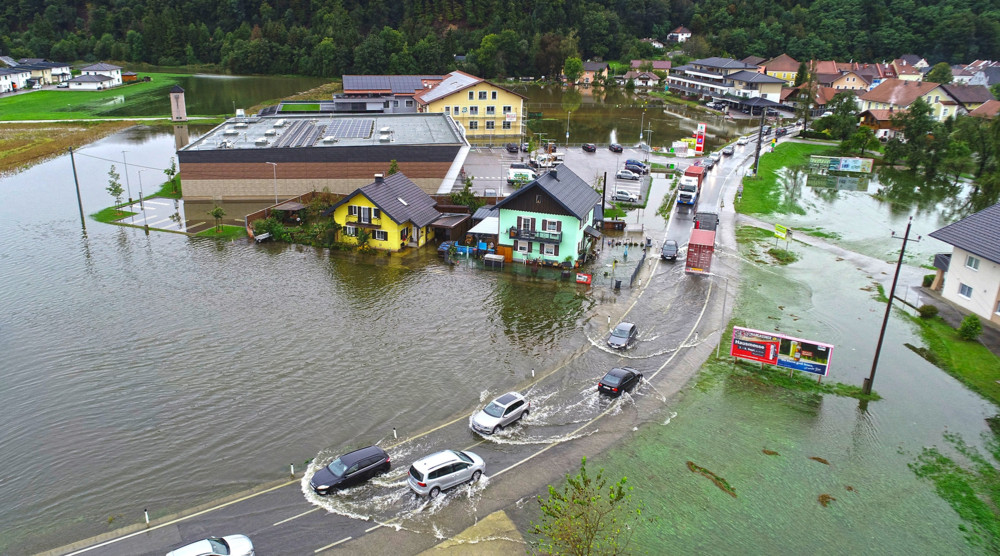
699,252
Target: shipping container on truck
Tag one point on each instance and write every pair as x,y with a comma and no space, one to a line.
699,252
696,172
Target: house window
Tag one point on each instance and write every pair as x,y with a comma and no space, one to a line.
491,110
447,109
409,103
352,210
522,246
385,104
456,110
493,95
550,249
350,231
965,291
507,109
473,110
937,98
972,262
473,125
380,235
482,95
998,308
506,125
490,124
472,95
944,112
404,233
376,213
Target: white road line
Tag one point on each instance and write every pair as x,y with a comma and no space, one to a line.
370,529
295,517
159,221
161,203
321,549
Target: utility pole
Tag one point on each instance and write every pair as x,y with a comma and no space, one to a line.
126,178
760,138
79,201
866,387
568,112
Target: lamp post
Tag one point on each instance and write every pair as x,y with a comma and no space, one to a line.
142,209
274,166
125,162
724,296
568,112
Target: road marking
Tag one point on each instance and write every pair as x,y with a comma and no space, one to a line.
318,550
295,517
180,519
159,221
370,529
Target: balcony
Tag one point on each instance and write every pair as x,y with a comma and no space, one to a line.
535,235
370,222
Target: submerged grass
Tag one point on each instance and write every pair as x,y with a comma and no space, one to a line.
762,194
228,232
25,144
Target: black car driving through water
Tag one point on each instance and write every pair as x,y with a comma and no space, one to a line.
618,380
351,469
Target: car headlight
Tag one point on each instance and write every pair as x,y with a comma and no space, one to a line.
322,487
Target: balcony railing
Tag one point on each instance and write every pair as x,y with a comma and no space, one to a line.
372,221
535,235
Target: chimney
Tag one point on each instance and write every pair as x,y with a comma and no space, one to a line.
379,178
554,173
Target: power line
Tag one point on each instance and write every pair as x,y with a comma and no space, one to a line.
78,153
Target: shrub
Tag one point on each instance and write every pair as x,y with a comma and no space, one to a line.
928,280
928,311
971,328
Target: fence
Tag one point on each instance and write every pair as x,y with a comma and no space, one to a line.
638,267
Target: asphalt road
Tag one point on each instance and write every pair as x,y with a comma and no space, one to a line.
675,313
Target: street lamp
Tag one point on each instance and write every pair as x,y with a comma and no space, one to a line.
125,162
274,166
141,207
568,112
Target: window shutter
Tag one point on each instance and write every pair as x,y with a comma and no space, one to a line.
532,224
529,247
515,246
557,250
519,223
376,213
558,227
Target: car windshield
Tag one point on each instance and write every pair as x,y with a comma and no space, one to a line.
337,467
494,410
620,331
611,380
219,546
463,457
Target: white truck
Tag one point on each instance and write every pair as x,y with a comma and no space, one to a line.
520,175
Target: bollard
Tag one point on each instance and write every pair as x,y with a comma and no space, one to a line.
291,468
394,437
145,512
532,373
609,320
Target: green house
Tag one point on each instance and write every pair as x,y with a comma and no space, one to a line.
549,219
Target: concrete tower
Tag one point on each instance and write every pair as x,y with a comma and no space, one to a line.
178,110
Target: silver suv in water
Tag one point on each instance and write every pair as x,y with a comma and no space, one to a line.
430,475
501,412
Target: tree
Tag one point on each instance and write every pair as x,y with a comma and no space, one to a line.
806,95
393,167
844,120
467,197
802,75
171,172
573,69
940,73
971,328
588,516
995,90
916,124
862,140
115,186
217,213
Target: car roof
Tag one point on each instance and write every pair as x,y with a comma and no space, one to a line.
434,460
622,371
508,398
351,458
628,325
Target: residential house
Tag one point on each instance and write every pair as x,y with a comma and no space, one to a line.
549,219
753,60
880,121
962,76
851,80
652,42
390,94
594,72
482,108
640,79
394,211
91,82
906,71
970,276
13,79
874,73
107,70
655,65
750,84
914,60
783,67
987,110
707,76
969,96
679,34
899,94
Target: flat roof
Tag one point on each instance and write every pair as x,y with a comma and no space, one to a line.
318,130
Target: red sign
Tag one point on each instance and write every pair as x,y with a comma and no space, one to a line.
755,345
582,278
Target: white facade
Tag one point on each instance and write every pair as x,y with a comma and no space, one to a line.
107,70
13,79
973,283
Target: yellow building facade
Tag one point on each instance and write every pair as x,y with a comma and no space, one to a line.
393,212
483,109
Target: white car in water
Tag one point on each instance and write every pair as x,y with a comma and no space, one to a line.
230,545
501,412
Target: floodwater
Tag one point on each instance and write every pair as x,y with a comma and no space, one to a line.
163,371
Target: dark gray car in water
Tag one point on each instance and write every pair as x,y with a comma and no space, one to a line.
351,469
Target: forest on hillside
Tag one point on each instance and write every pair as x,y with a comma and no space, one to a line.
499,38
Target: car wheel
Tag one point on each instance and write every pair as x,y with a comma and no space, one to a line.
523,415
434,492
476,476
497,429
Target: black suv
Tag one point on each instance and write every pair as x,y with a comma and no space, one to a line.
511,148
351,469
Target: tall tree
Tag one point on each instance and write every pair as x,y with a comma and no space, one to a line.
940,73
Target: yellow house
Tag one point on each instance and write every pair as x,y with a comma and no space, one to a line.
783,67
899,94
393,211
480,107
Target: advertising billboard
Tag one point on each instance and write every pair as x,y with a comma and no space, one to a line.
755,345
804,355
838,164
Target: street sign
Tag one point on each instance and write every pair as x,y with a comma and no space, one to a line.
780,231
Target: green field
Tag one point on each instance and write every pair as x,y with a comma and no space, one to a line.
63,104
763,194
297,107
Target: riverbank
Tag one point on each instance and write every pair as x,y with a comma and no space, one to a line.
23,145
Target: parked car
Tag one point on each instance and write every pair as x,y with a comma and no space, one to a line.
63,85
511,147
625,196
589,148
635,169
351,469
627,175
743,140
623,336
501,412
230,545
618,380
781,132
728,150
669,250
429,475
615,148
638,164
524,147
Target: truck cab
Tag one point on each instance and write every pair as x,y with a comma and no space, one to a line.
687,192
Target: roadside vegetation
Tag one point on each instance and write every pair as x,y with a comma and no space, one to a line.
967,360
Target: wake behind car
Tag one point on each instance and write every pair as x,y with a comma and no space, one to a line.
618,380
623,336
351,469
230,545
429,475
501,412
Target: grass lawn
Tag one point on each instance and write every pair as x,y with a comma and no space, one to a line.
65,104
300,107
969,362
228,232
111,214
762,194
